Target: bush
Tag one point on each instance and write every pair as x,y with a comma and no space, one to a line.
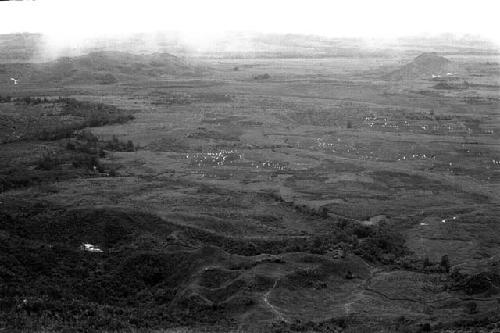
426,262
130,146
94,114
87,135
88,162
445,263
320,244
382,244
471,308
264,76
87,147
48,161
56,133
117,145
6,99
91,114
108,78
362,231
15,178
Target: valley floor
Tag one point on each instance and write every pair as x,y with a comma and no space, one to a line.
319,199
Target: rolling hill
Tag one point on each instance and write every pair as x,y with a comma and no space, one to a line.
426,66
103,67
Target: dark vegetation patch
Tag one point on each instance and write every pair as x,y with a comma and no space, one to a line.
76,157
69,151
48,281
480,100
169,98
106,78
401,180
117,145
52,166
212,97
264,76
225,134
486,283
451,85
45,119
381,244
221,119
172,143
377,244
316,117
331,325
182,98
95,114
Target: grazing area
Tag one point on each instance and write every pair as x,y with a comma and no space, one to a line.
346,192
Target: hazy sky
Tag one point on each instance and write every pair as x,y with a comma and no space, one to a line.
199,20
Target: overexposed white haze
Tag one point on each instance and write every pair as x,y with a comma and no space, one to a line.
68,23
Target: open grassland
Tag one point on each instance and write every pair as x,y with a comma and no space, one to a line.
321,198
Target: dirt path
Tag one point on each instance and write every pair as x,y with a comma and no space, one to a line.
363,287
348,305
273,308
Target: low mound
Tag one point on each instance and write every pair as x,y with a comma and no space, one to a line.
425,66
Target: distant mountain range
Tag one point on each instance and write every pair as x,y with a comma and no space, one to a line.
37,48
20,47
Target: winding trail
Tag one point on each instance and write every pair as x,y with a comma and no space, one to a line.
273,308
348,305
363,287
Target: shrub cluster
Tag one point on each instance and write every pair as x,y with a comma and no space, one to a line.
117,145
